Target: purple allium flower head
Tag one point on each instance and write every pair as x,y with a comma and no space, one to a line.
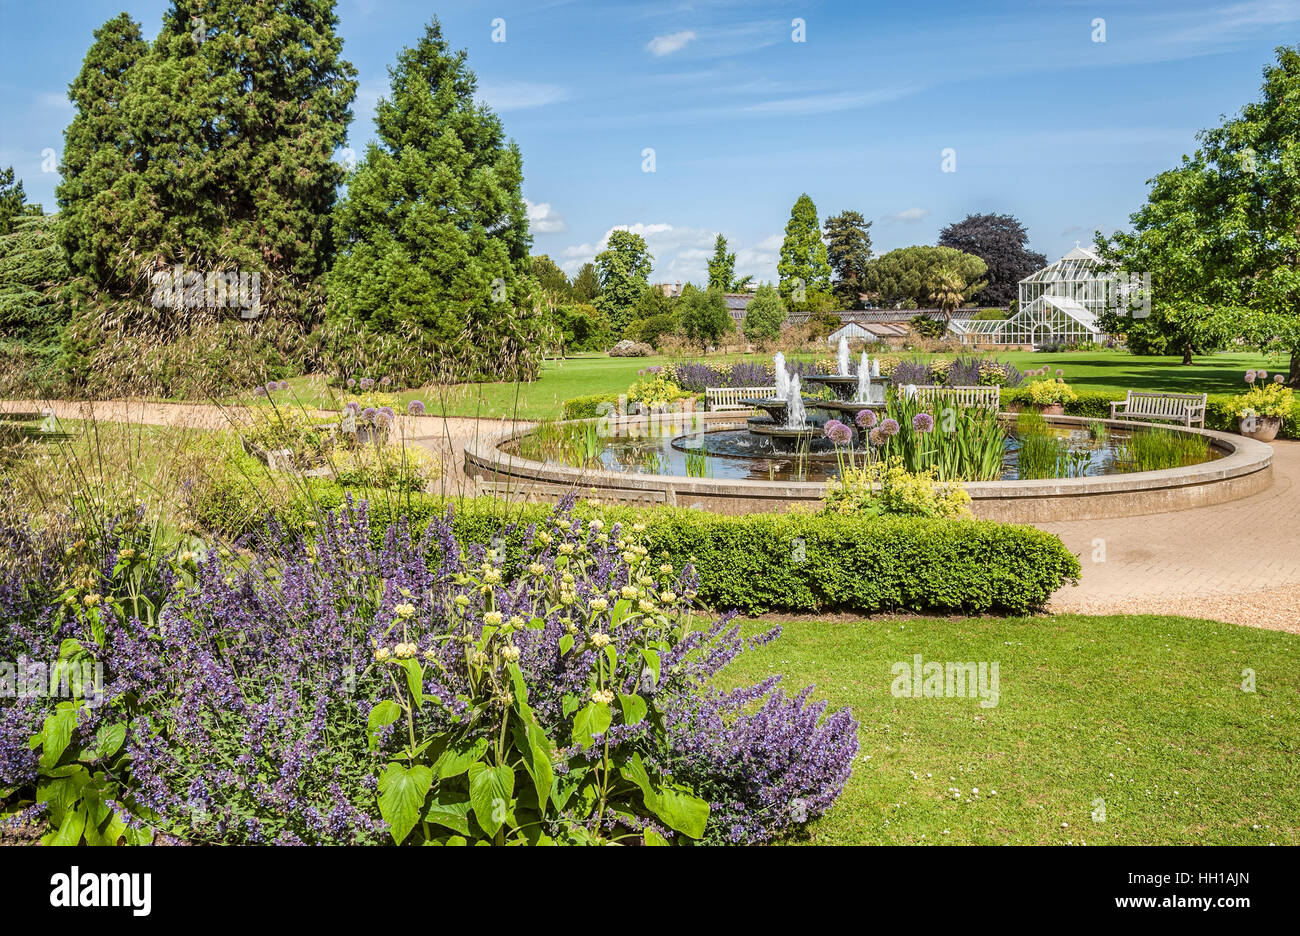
352,382
1278,378
272,386
922,422
368,413
1262,374
386,381
876,437
837,432
889,427
284,385
352,408
259,390
866,419
1059,372
415,407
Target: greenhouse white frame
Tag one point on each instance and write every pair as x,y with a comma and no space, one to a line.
1059,303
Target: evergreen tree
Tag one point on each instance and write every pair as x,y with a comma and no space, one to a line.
97,152
804,269
586,284
31,265
551,279
722,266
433,233
764,315
910,276
848,249
624,269
13,201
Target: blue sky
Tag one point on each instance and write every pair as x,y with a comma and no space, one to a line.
1044,122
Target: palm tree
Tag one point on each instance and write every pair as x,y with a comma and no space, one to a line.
947,291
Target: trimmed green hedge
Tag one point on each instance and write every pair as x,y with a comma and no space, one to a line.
587,407
795,561
1095,404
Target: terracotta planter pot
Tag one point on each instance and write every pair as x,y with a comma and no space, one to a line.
1054,409
1261,428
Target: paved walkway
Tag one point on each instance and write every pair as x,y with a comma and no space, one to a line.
1237,562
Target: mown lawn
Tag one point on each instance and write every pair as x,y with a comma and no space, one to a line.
1114,371
1144,714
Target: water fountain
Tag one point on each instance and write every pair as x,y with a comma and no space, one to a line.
853,392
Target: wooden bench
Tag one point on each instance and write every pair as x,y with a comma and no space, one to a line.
962,396
718,399
1139,405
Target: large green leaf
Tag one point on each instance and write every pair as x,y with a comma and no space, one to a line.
414,679
56,733
108,741
458,758
450,808
634,708
679,810
69,831
490,792
401,797
62,790
382,715
594,719
536,749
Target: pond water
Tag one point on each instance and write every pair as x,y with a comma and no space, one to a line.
734,453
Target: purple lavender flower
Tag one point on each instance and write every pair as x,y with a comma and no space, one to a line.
837,432
922,422
415,407
866,419
889,428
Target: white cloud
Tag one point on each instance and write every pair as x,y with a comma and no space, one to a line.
906,216
667,45
543,219
521,95
53,100
825,103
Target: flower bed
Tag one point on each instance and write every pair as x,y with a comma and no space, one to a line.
333,688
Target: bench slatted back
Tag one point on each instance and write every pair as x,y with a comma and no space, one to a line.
962,396
718,398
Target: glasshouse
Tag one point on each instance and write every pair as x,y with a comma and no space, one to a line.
1059,303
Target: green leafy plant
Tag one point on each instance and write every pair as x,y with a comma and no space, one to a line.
1267,398
886,487
1050,392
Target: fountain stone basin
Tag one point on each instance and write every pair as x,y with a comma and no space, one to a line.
845,387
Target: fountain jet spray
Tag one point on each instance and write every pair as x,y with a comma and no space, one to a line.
782,378
864,379
794,410
844,356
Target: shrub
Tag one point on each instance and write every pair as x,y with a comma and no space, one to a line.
588,407
886,487
349,687
656,390
629,348
1264,398
1049,392
794,561
928,327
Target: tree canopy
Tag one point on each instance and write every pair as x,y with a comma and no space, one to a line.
803,266
623,268
1003,244
722,266
909,276
703,316
1220,233
764,315
848,250
433,233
